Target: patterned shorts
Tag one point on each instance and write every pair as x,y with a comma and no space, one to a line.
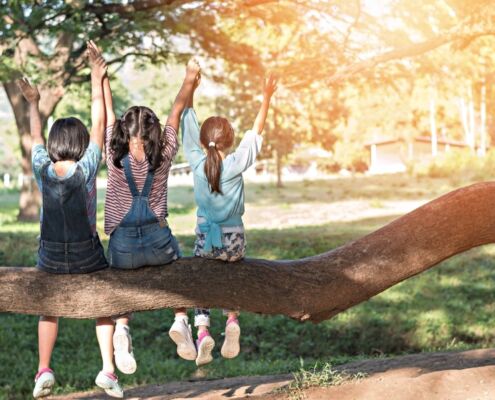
234,247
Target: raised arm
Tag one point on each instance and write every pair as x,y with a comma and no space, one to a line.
98,71
197,82
184,96
190,131
107,93
32,96
269,88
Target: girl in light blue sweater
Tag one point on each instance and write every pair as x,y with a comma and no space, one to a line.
219,194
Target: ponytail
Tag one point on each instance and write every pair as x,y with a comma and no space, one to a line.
213,169
216,134
140,122
119,144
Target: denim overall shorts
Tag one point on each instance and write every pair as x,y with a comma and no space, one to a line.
67,242
141,238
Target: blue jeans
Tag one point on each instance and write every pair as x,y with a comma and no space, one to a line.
134,247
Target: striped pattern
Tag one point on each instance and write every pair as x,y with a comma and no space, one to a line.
119,199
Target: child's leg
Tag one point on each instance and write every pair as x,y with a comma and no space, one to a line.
231,346
47,335
122,346
104,334
181,334
106,378
205,342
202,319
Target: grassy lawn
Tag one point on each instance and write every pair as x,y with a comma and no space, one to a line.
448,307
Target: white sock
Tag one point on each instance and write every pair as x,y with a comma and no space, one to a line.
181,317
120,327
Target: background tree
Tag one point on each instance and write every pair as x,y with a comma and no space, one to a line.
314,45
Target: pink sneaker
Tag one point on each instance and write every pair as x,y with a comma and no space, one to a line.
231,346
44,381
204,344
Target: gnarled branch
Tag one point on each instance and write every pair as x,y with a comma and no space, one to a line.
314,288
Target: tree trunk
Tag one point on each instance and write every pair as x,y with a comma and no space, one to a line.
472,123
278,157
278,161
314,288
464,119
30,197
482,149
433,121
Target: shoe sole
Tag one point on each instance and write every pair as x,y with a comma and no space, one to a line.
185,349
46,389
231,346
124,360
204,351
108,390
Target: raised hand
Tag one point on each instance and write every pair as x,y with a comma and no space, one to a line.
193,69
270,85
96,60
30,93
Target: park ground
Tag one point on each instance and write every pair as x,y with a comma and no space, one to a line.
448,308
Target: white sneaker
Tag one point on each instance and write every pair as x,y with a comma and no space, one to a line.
44,382
205,347
231,346
110,384
122,350
181,334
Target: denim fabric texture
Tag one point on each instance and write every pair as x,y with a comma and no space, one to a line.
67,242
141,238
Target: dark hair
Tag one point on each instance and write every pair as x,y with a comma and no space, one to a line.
141,122
68,140
218,132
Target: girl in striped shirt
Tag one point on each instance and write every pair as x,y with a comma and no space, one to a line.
139,155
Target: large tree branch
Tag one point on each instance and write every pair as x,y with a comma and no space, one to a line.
129,8
314,288
409,51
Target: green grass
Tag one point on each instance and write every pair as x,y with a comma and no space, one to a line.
317,376
447,308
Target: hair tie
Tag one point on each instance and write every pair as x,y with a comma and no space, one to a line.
211,144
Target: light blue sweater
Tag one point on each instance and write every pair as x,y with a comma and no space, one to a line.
218,209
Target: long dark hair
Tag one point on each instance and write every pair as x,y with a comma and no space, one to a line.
68,140
216,134
138,121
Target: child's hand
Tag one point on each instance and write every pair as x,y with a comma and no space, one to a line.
270,86
193,69
197,82
96,60
29,92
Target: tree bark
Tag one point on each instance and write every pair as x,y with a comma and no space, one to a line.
30,198
314,288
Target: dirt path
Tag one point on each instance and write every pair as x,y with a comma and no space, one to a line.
468,375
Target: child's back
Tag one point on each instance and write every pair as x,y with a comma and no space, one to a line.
219,194
68,219
119,197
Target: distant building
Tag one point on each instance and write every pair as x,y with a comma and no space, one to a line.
390,156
